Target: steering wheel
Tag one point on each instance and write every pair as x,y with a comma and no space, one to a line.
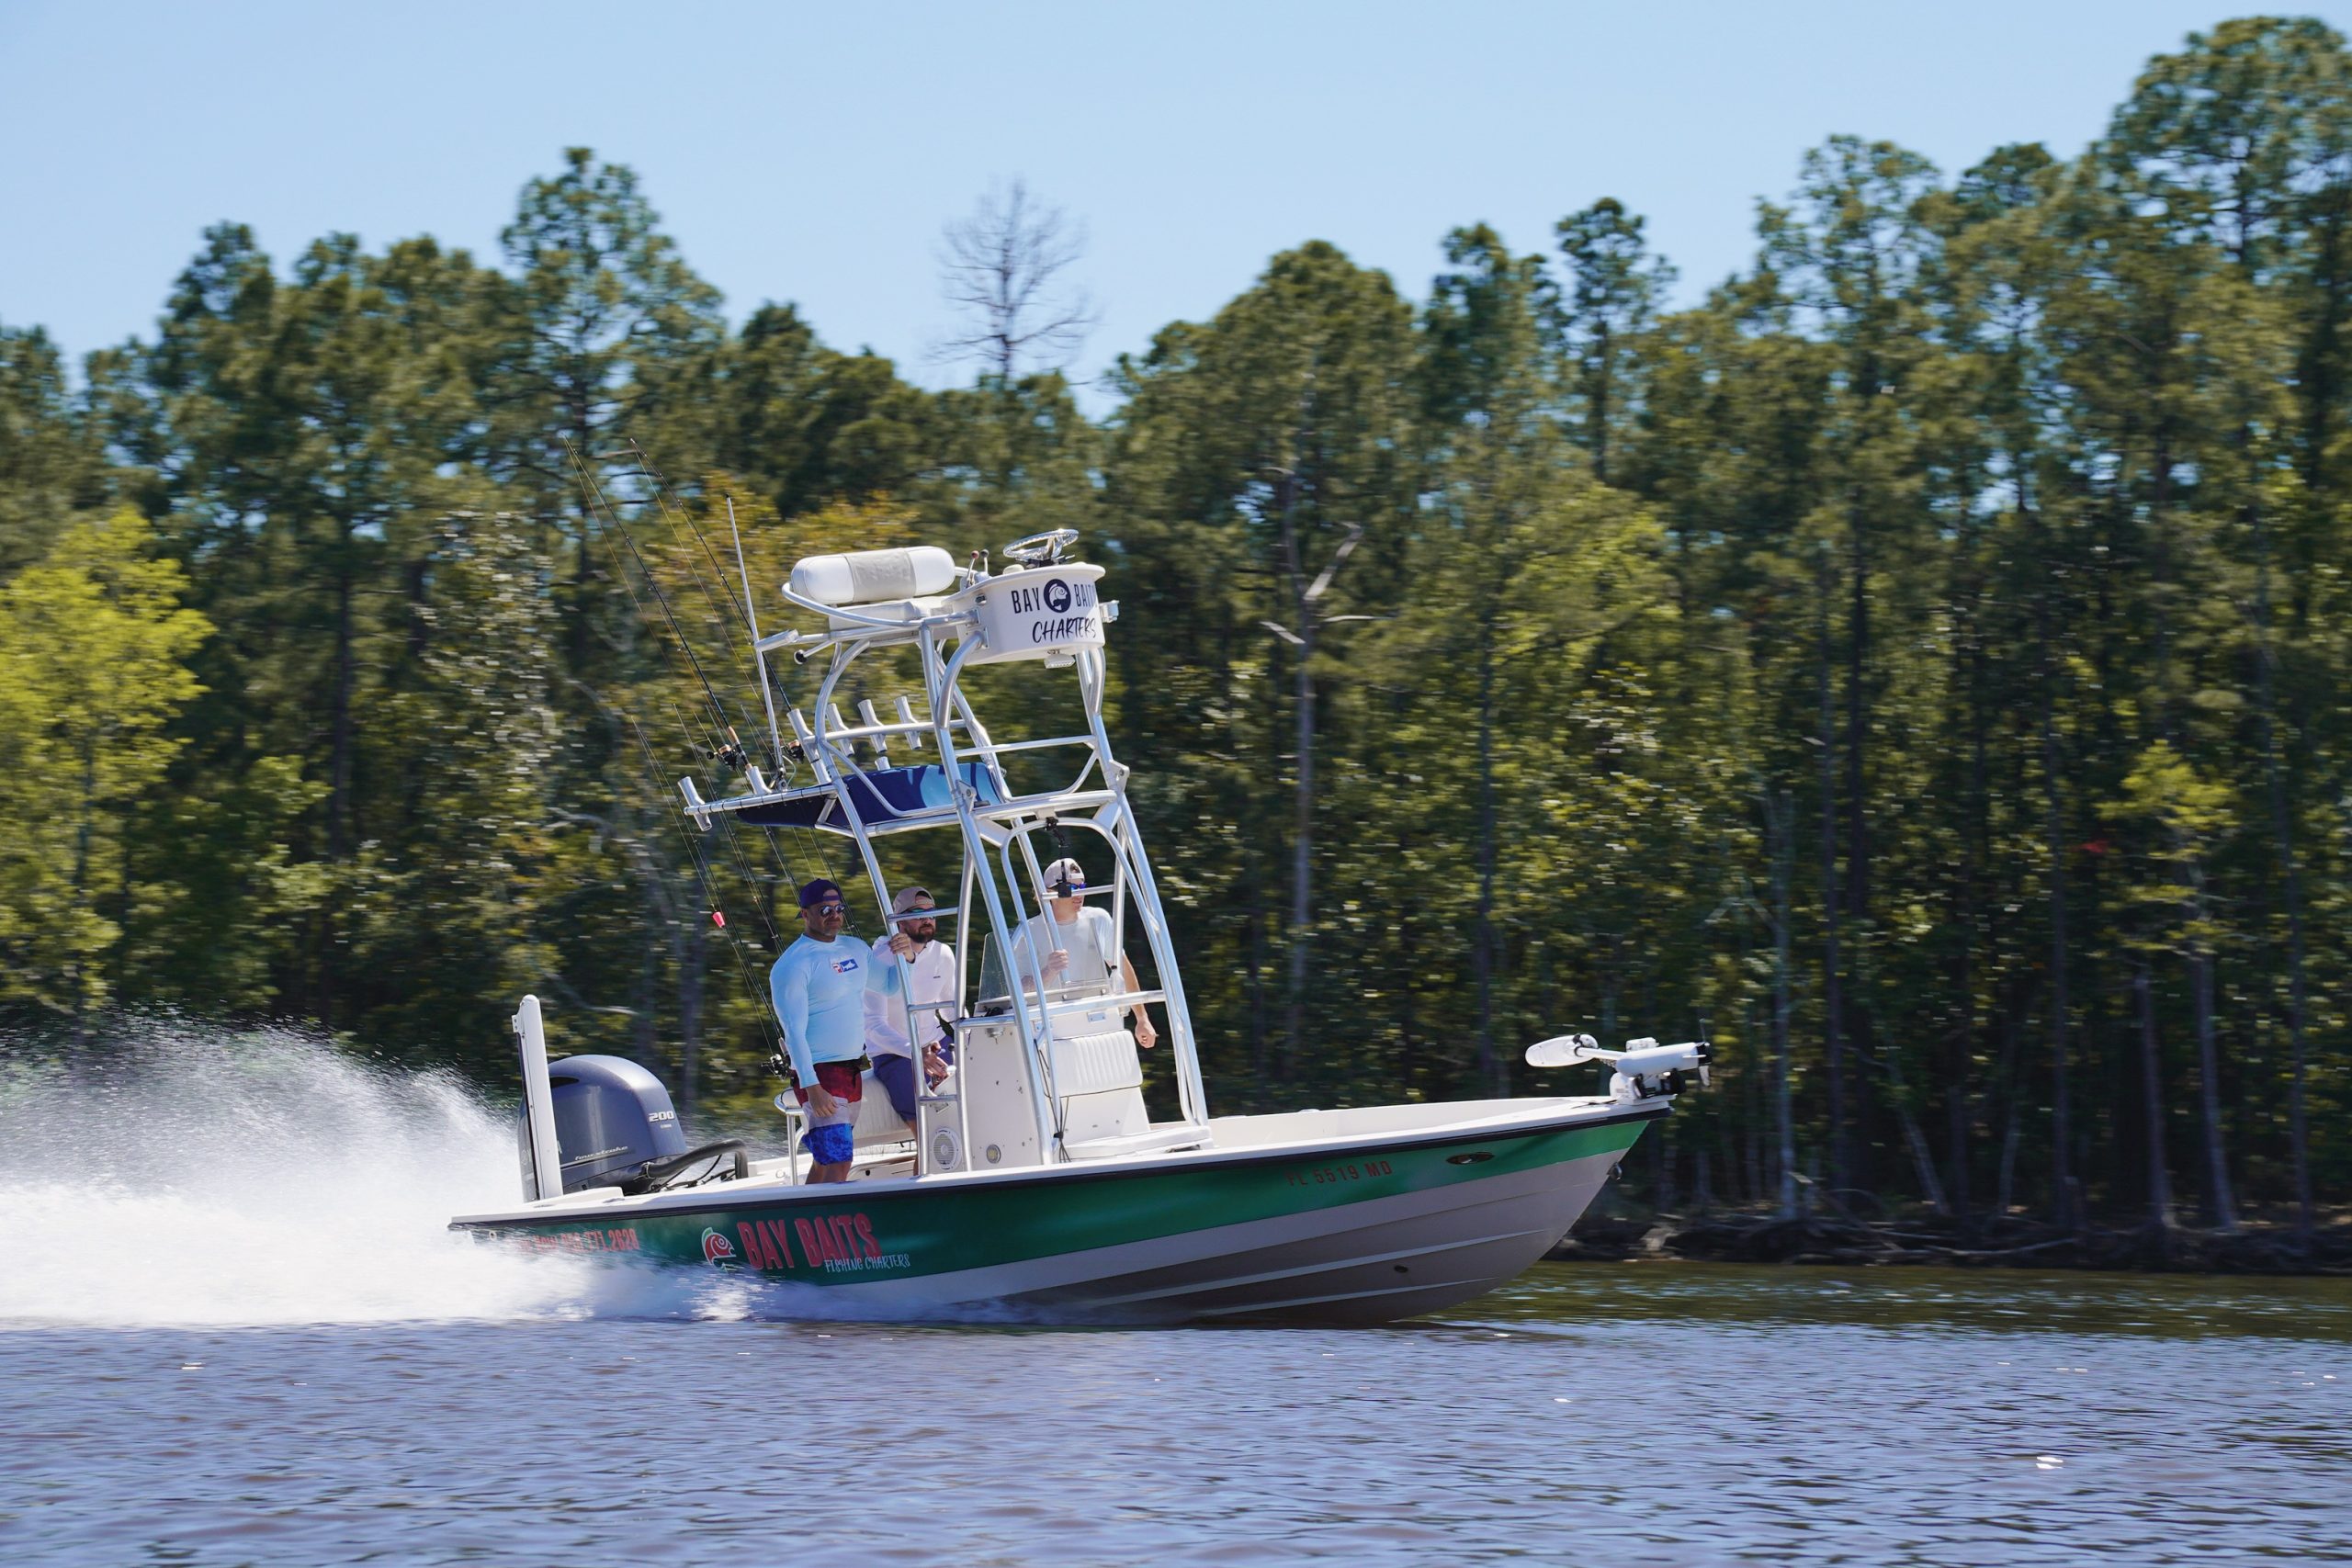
1041,549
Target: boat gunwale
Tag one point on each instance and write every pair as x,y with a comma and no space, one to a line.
777,1192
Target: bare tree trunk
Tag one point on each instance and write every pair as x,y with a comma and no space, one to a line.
2005,1192
1482,957
2282,835
1854,908
1832,994
1779,817
1605,354
2053,830
339,762
2151,1091
1923,1160
1254,973
1305,599
339,774
82,837
1956,1088
2209,1071
1302,854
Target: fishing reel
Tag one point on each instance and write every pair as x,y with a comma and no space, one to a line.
731,752
1642,1070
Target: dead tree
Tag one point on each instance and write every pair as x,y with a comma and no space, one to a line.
1004,270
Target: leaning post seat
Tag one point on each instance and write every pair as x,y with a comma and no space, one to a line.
1099,1077
875,1126
877,1122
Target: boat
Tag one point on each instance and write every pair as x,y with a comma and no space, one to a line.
1038,1180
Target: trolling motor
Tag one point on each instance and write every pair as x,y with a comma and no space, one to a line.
1642,1070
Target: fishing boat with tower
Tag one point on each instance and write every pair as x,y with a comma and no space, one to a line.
1039,1178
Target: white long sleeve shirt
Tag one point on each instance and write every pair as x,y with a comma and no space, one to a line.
930,994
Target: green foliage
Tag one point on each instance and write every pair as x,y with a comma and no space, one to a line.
1882,666
94,651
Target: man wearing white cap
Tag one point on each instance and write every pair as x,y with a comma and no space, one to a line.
928,970
1079,946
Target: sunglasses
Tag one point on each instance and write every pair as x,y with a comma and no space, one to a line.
821,910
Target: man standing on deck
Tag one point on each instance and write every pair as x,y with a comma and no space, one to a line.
928,989
1079,946
817,985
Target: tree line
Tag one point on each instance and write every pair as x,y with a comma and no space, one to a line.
1918,667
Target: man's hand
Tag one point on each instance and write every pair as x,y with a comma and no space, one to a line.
934,1067
821,1102
902,944
1057,965
1146,1035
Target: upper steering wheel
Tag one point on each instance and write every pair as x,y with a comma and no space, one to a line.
1041,549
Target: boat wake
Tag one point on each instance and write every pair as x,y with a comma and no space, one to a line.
202,1174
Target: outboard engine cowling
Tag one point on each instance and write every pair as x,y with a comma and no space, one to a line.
613,1119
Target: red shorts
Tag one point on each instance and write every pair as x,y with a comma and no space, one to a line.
840,1079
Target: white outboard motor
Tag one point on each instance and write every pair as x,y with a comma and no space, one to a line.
1644,1069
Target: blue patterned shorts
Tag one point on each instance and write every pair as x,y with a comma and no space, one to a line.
829,1146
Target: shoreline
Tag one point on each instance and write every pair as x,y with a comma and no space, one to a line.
1722,1236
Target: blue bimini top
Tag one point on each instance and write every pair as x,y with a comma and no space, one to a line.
881,794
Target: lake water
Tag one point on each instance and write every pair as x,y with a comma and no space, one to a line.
232,1331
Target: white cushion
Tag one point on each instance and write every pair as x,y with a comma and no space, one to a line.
1090,1064
877,1122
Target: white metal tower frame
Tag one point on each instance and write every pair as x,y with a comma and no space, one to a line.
999,857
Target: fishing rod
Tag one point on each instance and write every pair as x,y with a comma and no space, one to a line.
732,754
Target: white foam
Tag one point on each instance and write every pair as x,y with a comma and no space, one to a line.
209,1176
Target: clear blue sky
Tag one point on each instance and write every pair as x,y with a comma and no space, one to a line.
812,152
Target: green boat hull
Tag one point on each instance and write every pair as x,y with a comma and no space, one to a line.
1363,1229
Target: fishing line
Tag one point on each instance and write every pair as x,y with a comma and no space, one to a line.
734,610
734,754
702,877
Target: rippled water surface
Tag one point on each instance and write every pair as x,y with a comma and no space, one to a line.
1635,1414
203,1361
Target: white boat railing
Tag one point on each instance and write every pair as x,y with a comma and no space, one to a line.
950,634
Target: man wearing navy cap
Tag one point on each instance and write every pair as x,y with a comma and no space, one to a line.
818,986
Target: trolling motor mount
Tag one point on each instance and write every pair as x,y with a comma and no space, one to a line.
1642,1070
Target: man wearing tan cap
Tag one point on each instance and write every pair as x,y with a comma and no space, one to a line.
927,965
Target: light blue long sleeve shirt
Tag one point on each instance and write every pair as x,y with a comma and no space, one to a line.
818,989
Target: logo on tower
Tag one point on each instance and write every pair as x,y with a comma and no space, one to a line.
1056,595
